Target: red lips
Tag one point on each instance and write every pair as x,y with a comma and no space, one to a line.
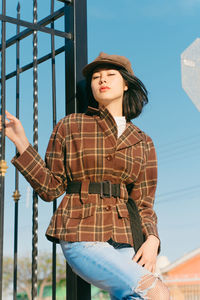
104,88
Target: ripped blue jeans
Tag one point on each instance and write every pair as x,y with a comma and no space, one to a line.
108,268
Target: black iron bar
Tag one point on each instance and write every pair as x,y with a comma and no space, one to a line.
16,194
76,51
23,34
54,123
39,61
35,26
15,246
2,149
70,56
35,145
75,60
34,247
15,251
1,232
53,67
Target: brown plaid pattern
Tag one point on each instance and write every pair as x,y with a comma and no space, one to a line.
85,147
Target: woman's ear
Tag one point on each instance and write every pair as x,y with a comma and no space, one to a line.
125,86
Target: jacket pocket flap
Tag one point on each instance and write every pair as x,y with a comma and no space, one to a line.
122,210
86,210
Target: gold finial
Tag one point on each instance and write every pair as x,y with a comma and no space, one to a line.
3,167
16,195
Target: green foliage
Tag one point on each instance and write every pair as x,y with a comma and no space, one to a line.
44,278
24,273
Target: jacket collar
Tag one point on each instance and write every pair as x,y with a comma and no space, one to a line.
91,111
131,136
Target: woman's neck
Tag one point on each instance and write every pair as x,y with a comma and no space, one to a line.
114,110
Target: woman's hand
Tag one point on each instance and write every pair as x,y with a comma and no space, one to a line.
147,254
15,132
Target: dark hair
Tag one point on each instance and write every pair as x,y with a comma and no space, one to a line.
134,98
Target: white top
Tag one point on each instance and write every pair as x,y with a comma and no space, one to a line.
121,124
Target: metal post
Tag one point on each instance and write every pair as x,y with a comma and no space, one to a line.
75,60
75,51
54,123
3,165
35,144
16,194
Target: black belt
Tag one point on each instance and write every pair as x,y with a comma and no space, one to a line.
106,189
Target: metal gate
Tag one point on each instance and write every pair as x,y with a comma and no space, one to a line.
73,13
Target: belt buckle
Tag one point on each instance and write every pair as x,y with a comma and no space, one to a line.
103,194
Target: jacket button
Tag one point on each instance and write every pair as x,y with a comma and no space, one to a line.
108,207
109,157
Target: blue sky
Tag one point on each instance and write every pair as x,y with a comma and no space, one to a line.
153,36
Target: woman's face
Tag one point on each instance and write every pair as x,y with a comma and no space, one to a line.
108,86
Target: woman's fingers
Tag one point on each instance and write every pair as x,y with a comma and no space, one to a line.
153,268
13,127
9,117
146,256
149,267
15,132
137,255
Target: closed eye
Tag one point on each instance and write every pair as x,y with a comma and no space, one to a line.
95,76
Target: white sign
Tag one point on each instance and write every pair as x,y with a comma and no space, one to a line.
190,72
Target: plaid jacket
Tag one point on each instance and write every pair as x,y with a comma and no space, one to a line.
85,147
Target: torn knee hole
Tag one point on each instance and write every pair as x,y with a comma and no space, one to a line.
147,283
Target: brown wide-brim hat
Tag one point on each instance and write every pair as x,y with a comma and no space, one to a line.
103,58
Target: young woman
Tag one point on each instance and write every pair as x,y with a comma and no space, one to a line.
99,159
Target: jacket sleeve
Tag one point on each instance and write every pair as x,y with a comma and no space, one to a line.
48,178
144,189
